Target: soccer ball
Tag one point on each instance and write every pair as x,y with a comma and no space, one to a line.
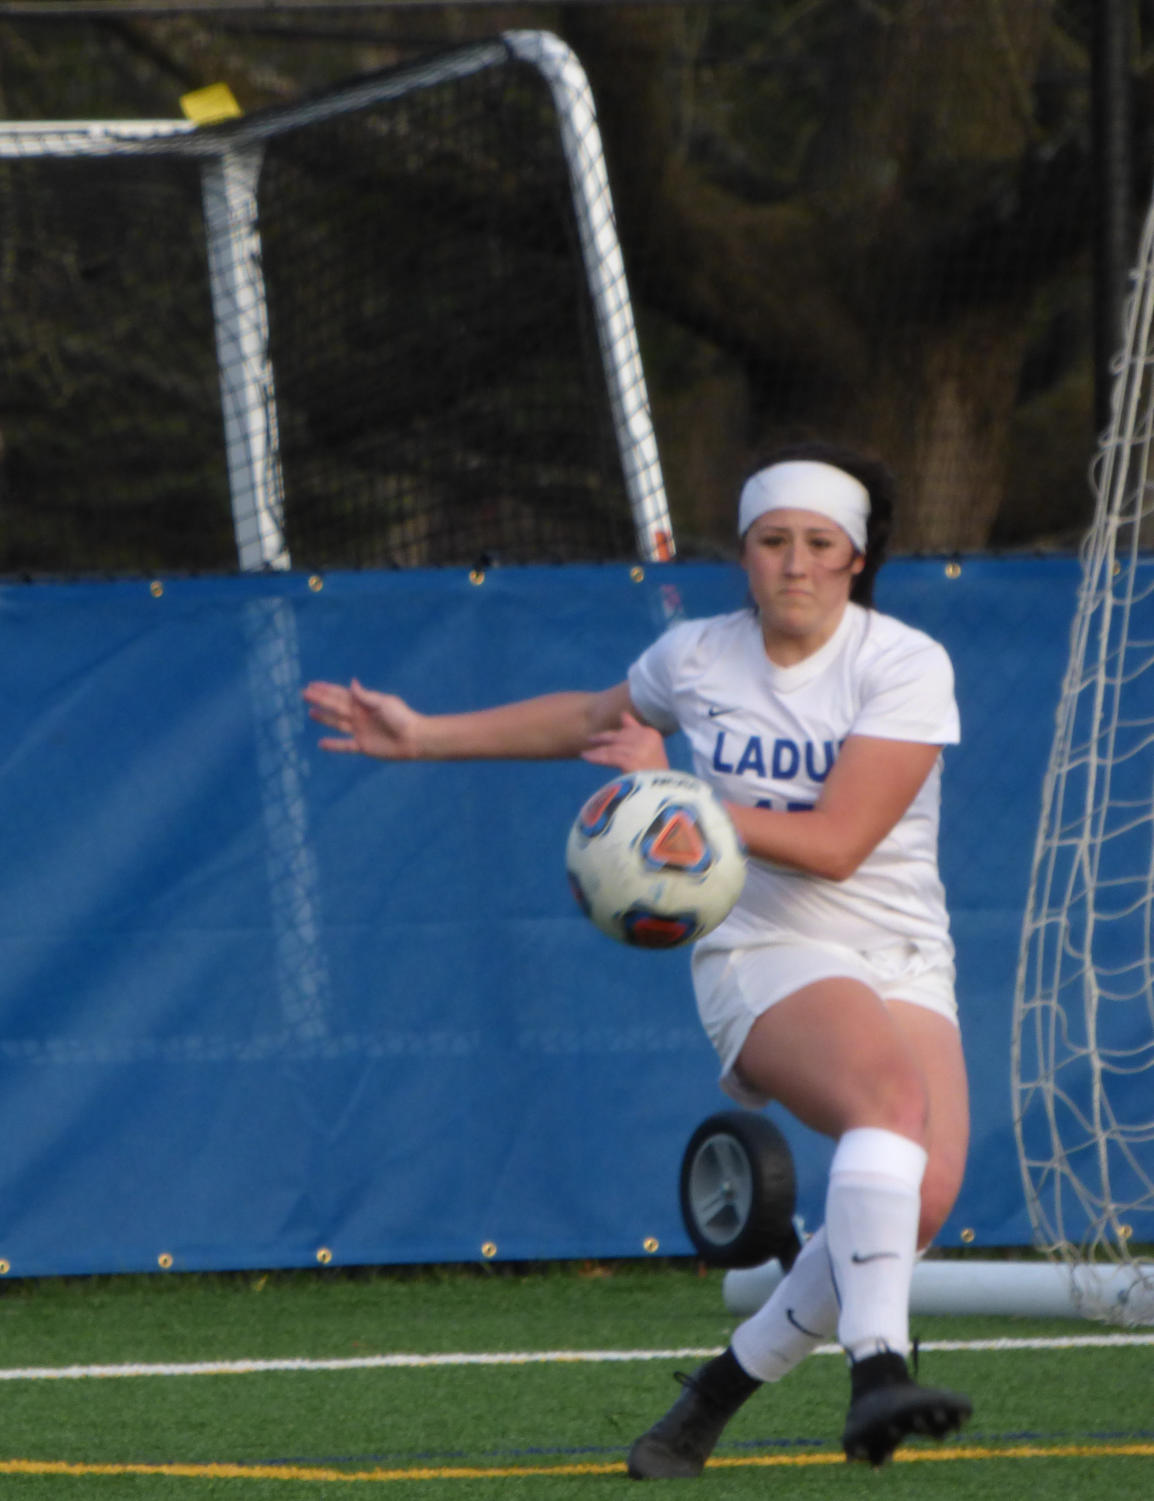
654,860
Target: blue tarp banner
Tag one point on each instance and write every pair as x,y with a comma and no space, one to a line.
260,1005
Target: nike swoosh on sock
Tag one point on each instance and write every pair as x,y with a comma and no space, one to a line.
797,1324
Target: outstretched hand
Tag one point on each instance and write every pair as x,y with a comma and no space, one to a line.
632,746
369,723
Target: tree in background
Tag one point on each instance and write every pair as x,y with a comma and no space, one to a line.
866,221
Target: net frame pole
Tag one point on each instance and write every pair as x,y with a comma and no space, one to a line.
608,287
247,388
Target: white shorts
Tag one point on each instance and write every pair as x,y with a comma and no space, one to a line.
734,987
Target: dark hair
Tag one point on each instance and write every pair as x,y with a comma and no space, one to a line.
882,487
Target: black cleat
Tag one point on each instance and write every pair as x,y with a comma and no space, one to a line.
886,1406
677,1445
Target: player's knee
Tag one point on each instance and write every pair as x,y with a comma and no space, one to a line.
896,1098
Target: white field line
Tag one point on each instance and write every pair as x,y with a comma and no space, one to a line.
528,1357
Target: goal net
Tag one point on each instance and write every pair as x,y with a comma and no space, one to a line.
387,327
1083,1040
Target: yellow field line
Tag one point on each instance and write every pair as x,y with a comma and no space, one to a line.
328,1475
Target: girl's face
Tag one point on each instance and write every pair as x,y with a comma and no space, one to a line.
800,566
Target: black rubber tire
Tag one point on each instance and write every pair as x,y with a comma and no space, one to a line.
739,1191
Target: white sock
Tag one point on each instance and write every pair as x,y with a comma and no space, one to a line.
871,1218
799,1315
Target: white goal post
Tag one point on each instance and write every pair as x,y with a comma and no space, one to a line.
1082,1060
230,172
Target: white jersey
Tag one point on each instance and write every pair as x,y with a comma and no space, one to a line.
767,736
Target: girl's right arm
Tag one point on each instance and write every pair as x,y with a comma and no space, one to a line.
553,726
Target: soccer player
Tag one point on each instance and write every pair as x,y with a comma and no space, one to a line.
830,987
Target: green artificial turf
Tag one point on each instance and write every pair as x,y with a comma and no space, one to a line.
1048,1423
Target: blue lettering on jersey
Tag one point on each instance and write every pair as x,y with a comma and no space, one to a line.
786,760
751,757
810,758
718,763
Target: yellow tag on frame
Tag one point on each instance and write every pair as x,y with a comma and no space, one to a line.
209,105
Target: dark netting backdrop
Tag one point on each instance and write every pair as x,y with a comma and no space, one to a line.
439,392
436,393
112,441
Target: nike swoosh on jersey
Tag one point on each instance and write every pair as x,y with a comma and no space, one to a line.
713,711
859,1260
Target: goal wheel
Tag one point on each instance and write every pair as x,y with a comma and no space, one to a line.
739,1190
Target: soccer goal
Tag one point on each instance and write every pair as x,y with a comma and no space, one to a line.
1083,1036
386,327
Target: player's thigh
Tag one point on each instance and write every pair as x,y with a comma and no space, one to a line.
833,1056
936,1043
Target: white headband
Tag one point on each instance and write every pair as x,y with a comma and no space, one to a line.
806,485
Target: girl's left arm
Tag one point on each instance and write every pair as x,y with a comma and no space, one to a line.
871,785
